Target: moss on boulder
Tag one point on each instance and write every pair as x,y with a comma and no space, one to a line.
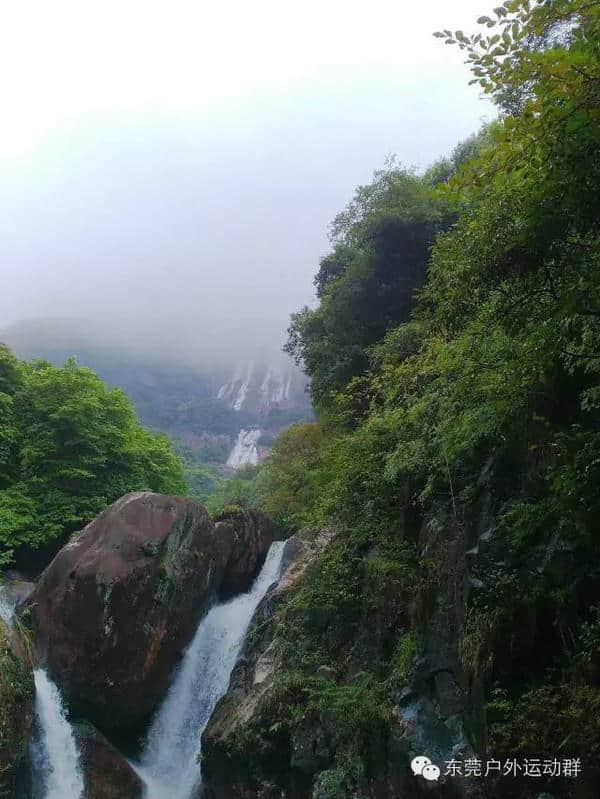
16,712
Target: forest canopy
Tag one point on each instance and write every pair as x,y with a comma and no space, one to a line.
69,446
454,359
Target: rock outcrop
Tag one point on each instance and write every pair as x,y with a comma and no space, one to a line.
248,533
16,713
266,739
107,775
235,758
113,611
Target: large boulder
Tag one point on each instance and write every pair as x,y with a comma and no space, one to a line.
113,611
241,730
248,532
106,773
16,712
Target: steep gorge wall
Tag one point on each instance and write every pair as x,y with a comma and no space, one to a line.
16,711
438,638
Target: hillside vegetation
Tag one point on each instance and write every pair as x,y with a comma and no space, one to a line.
455,361
69,446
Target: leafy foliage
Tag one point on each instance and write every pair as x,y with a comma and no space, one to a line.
240,491
366,285
69,446
295,474
455,363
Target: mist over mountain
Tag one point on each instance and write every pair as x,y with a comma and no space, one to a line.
300,439
223,408
176,202
203,349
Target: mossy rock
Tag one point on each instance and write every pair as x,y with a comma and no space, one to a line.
16,713
107,773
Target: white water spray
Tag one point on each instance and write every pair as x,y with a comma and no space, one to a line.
6,609
169,764
245,449
55,757
55,754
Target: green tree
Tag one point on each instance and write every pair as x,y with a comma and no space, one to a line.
478,403
293,479
68,447
367,284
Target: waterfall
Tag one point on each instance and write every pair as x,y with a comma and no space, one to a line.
245,449
54,751
169,764
6,609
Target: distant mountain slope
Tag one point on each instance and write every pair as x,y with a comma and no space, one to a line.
223,415
273,395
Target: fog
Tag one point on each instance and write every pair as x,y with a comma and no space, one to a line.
169,170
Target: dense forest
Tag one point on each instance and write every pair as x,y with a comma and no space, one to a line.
69,446
454,359
449,487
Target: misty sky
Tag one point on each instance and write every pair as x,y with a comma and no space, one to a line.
169,170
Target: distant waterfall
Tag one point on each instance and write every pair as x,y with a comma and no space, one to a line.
169,764
54,752
245,449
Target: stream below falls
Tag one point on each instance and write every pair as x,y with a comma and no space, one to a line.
169,764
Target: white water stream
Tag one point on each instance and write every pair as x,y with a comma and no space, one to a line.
54,753
245,449
169,764
6,608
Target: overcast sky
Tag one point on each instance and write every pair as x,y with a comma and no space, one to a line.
168,170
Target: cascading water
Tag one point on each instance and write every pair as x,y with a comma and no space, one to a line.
54,752
169,764
245,450
6,609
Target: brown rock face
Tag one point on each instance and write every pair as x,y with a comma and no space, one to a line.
117,605
233,737
107,775
248,532
16,713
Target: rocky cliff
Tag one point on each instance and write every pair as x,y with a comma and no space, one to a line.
16,711
375,651
269,396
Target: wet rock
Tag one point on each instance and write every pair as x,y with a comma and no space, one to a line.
114,610
227,746
251,534
107,775
326,672
311,749
265,666
16,714
291,550
15,587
